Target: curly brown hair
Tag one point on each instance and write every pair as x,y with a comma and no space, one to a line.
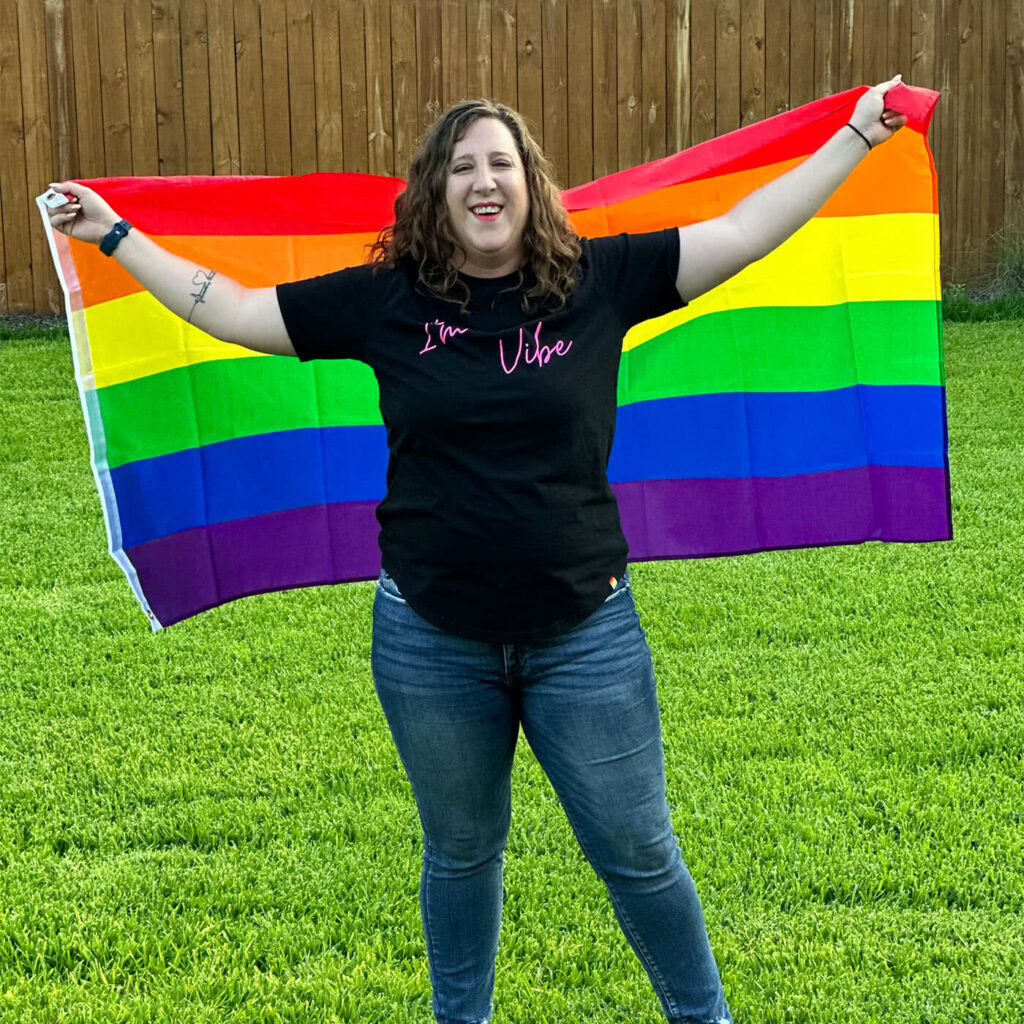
421,228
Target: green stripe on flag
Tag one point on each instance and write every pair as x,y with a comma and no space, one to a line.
788,348
156,415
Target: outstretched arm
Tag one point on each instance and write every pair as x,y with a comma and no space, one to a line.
711,251
213,302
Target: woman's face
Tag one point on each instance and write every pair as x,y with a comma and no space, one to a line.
487,199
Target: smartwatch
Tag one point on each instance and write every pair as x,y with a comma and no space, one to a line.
113,237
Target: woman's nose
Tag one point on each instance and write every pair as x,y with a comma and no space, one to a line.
484,180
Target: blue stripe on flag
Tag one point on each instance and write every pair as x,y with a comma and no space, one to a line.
695,437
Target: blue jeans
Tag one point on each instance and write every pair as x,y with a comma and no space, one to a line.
588,706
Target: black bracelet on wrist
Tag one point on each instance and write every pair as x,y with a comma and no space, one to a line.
860,133
113,237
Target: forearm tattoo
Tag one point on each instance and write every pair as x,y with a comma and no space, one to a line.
201,279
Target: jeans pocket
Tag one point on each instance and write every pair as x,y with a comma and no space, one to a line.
389,588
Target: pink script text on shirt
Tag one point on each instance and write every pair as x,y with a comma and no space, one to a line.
530,350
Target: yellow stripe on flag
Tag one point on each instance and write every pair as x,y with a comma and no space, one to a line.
829,261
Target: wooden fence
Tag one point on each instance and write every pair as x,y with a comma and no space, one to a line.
93,88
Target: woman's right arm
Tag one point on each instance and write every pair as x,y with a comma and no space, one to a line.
216,304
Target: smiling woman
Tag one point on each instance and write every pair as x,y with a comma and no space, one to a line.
495,334
501,211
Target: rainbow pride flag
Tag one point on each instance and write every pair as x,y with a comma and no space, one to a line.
800,403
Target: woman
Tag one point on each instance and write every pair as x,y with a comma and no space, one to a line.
503,600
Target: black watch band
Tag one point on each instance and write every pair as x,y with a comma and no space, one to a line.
113,237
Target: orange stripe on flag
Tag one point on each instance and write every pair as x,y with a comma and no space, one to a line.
256,261
694,201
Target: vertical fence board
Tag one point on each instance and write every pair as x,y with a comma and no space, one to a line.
752,62
844,44
991,128
555,70
170,121
276,113
858,69
776,57
922,44
327,85
970,114
61,79
629,85
605,88
3,256
478,48
138,27
1013,211
113,56
944,131
529,66
38,160
677,99
727,66
88,124
408,116
581,99
503,52
826,59
301,89
354,124
653,81
197,71
900,39
454,73
17,296
875,41
377,15
252,147
224,52
801,52
428,58
702,63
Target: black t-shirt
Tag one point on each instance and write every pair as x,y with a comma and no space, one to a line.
498,524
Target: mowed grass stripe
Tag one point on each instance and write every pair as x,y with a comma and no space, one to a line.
770,349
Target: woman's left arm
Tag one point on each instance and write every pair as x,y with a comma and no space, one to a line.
711,251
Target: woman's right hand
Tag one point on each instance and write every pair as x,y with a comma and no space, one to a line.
88,218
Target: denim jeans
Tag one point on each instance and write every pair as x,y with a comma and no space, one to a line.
588,706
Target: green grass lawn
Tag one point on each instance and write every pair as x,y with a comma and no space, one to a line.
211,824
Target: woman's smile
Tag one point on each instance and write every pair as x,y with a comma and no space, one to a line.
486,211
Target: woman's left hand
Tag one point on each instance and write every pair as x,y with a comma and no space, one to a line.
871,117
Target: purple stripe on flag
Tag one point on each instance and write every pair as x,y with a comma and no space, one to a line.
188,572
695,518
